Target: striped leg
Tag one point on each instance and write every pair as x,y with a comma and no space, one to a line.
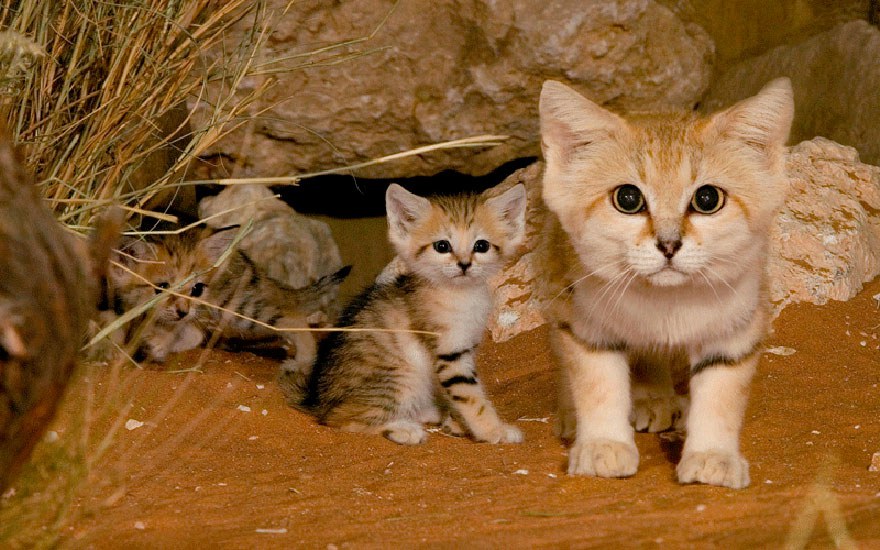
458,379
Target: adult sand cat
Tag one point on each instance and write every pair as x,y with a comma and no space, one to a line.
656,249
393,381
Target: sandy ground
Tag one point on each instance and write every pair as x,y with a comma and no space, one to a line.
221,461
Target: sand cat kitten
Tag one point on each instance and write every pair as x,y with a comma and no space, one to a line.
184,262
394,382
656,248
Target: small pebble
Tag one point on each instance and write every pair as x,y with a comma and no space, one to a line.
521,473
132,424
264,412
244,408
700,507
139,525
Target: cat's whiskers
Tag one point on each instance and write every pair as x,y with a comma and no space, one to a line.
709,283
585,277
621,294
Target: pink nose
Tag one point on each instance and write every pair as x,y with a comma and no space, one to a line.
668,248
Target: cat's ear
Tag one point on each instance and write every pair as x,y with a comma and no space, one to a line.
570,121
762,121
217,243
133,249
403,209
510,208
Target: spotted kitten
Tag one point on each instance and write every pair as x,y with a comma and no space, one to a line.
656,251
391,383
181,267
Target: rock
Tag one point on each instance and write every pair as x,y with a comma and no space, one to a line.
835,76
448,69
826,242
827,238
288,246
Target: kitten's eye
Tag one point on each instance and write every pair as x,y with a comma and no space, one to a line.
443,247
162,286
628,199
197,290
708,199
481,246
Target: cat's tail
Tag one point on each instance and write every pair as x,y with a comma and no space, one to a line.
315,297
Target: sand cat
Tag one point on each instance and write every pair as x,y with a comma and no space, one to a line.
656,247
392,383
181,266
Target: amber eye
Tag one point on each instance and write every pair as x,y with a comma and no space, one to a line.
442,247
628,199
162,286
481,246
197,290
708,199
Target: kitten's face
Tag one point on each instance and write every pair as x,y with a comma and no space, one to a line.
163,264
666,201
459,239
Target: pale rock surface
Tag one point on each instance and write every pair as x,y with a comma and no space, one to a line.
288,246
826,242
835,76
449,69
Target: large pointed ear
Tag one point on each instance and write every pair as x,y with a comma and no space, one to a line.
510,207
403,210
133,249
762,121
570,121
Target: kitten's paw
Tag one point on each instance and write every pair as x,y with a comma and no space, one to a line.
451,426
656,413
503,433
405,432
565,425
714,468
603,458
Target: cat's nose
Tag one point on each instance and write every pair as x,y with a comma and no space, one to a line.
668,247
464,266
181,313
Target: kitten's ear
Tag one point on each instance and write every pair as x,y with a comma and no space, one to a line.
403,209
217,243
510,207
570,121
762,121
134,248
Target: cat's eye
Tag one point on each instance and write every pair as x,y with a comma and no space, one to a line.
628,199
197,290
162,286
481,246
708,199
442,247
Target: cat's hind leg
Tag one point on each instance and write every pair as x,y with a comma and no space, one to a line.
656,407
403,431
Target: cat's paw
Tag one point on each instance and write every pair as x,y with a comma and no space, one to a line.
405,432
502,433
721,468
565,425
451,426
603,458
652,413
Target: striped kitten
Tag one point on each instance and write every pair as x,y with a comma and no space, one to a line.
184,263
656,248
394,382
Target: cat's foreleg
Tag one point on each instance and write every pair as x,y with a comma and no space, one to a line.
604,443
457,376
719,389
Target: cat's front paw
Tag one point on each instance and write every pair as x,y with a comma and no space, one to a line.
405,432
503,433
654,413
603,458
720,468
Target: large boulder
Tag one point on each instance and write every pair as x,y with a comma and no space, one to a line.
448,69
835,76
826,241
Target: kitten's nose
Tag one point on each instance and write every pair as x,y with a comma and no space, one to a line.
464,266
668,247
181,313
